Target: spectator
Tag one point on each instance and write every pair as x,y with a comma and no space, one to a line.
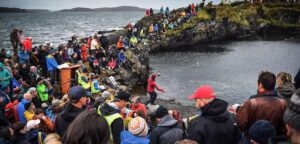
167,130
21,107
20,131
78,99
28,45
111,112
285,87
96,132
262,107
29,113
261,131
213,120
46,125
137,132
136,105
34,136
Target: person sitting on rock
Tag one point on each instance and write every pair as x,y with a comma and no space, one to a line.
120,44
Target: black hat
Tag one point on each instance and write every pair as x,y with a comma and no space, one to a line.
77,92
123,96
161,112
27,105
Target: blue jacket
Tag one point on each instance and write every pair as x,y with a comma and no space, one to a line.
21,110
23,56
155,28
121,58
4,75
128,138
51,63
50,114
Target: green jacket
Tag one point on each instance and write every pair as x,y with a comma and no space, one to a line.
43,92
5,76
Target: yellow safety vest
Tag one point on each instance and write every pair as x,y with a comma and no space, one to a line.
93,89
79,81
85,85
110,119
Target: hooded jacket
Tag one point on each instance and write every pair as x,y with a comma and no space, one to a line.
286,91
4,75
168,131
21,110
117,125
66,117
214,126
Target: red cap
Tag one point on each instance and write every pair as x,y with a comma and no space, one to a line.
205,91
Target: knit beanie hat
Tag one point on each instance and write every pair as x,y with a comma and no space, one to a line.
161,112
292,113
138,127
261,131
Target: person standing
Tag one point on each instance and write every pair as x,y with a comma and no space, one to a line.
28,44
151,89
214,124
14,40
51,66
266,105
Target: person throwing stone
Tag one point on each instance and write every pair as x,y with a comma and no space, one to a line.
151,89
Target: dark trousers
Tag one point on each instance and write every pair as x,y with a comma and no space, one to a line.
52,76
152,98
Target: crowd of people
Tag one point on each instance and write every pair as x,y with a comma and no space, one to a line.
97,109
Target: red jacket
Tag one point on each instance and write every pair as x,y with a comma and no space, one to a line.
27,45
152,84
139,107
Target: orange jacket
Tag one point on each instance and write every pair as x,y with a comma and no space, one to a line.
120,44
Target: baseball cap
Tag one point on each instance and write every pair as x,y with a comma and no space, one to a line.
123,96
77,92
204,91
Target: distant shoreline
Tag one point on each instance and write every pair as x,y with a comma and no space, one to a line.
77,9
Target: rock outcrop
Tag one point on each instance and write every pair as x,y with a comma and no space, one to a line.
213,23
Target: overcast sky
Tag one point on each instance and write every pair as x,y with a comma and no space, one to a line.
65,4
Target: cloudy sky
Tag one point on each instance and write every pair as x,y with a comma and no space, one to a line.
65,4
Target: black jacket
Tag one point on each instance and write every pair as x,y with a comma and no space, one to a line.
65,118
117,126
168,131
19,139
214,126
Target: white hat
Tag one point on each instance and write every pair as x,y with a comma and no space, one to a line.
32,124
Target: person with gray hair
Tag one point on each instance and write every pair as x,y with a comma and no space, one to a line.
35,97
33,74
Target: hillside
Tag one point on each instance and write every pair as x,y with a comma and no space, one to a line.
18,10
106,9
